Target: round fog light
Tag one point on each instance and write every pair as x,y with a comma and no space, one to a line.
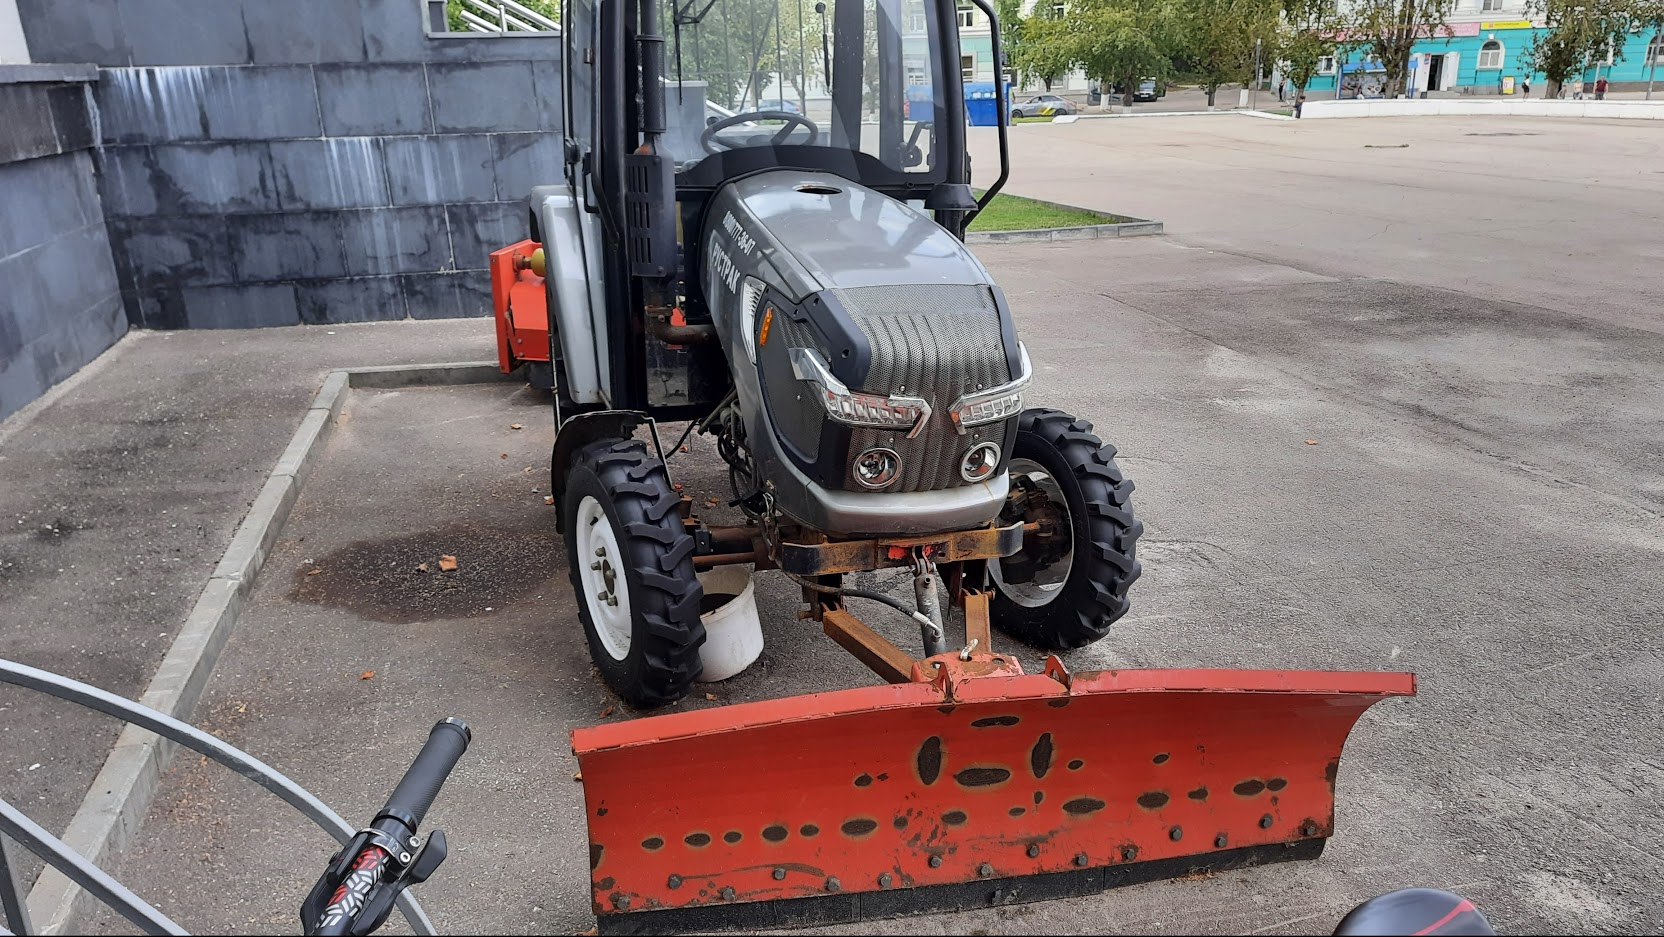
980,462
877,468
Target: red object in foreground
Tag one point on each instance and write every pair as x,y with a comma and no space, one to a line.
521,307
975,773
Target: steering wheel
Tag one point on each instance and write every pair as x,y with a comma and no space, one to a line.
713,144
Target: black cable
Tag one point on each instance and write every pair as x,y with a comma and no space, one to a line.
894,603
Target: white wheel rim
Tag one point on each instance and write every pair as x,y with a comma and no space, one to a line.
601,570
1048,581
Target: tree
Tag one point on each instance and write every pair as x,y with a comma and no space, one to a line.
1649,20
1306,36
1014,38
1388,30
1116,41
453,13
1576,33
1218,37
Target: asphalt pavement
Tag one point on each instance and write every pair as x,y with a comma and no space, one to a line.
1423,456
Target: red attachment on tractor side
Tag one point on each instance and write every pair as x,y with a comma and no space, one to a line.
974,771
521,307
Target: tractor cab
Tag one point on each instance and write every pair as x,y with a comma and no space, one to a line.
667,103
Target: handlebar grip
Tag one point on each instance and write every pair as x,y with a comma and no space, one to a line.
410,801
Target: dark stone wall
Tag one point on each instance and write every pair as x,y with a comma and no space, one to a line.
306,161
59,304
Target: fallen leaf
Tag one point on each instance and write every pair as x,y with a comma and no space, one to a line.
515,426
366,675
684,448
606,712
421,567
447,563
578,777
314,571
503,456
676,485
588,933
711,697
548,499
1311,442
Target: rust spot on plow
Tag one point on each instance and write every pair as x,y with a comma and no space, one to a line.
858,827
1017,811
652,843
930,760
808,829
595,850
1249,788
899,822
1076,765
1152,800
1058,703
1200,793
1040,757
863,781
988,722
1329,774
731,837
605,883
775,833
1081,806
1160,758
954,818
697,840
983,776
1276,784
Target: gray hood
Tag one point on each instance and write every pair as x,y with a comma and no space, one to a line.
846,238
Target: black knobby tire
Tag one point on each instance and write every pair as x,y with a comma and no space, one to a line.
1104,535
634,494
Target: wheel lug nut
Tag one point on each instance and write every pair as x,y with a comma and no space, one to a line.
600,551
596,564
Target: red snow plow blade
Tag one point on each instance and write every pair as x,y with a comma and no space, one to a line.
972,785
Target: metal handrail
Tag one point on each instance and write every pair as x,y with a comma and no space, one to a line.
82,871
500,16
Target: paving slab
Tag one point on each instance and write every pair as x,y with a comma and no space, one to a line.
118,494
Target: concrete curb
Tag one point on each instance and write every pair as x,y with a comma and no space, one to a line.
1125,229
121,794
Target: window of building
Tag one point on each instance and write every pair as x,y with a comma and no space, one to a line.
967,67
1057,10
1490,6
916,75
915,23
967,16
1655,50
1490,54
1325,65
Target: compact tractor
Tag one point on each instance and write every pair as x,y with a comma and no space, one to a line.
790,278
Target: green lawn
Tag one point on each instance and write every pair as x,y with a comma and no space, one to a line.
1014,213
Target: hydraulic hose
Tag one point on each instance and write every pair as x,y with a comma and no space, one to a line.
894,603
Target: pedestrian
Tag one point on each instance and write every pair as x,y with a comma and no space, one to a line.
1525,86
1600,88
1299,101
1577,89
1280,89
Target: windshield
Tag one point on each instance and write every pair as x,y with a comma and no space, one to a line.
753,75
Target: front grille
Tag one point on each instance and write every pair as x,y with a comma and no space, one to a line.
935,342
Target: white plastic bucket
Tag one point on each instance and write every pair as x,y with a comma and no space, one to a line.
733,633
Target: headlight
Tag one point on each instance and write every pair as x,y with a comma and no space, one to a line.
854,408
995,403
980,462
877,468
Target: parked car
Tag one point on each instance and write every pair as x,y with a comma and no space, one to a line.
1043,105
779,104
1148,90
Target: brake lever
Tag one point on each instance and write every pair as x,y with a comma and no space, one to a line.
401,869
